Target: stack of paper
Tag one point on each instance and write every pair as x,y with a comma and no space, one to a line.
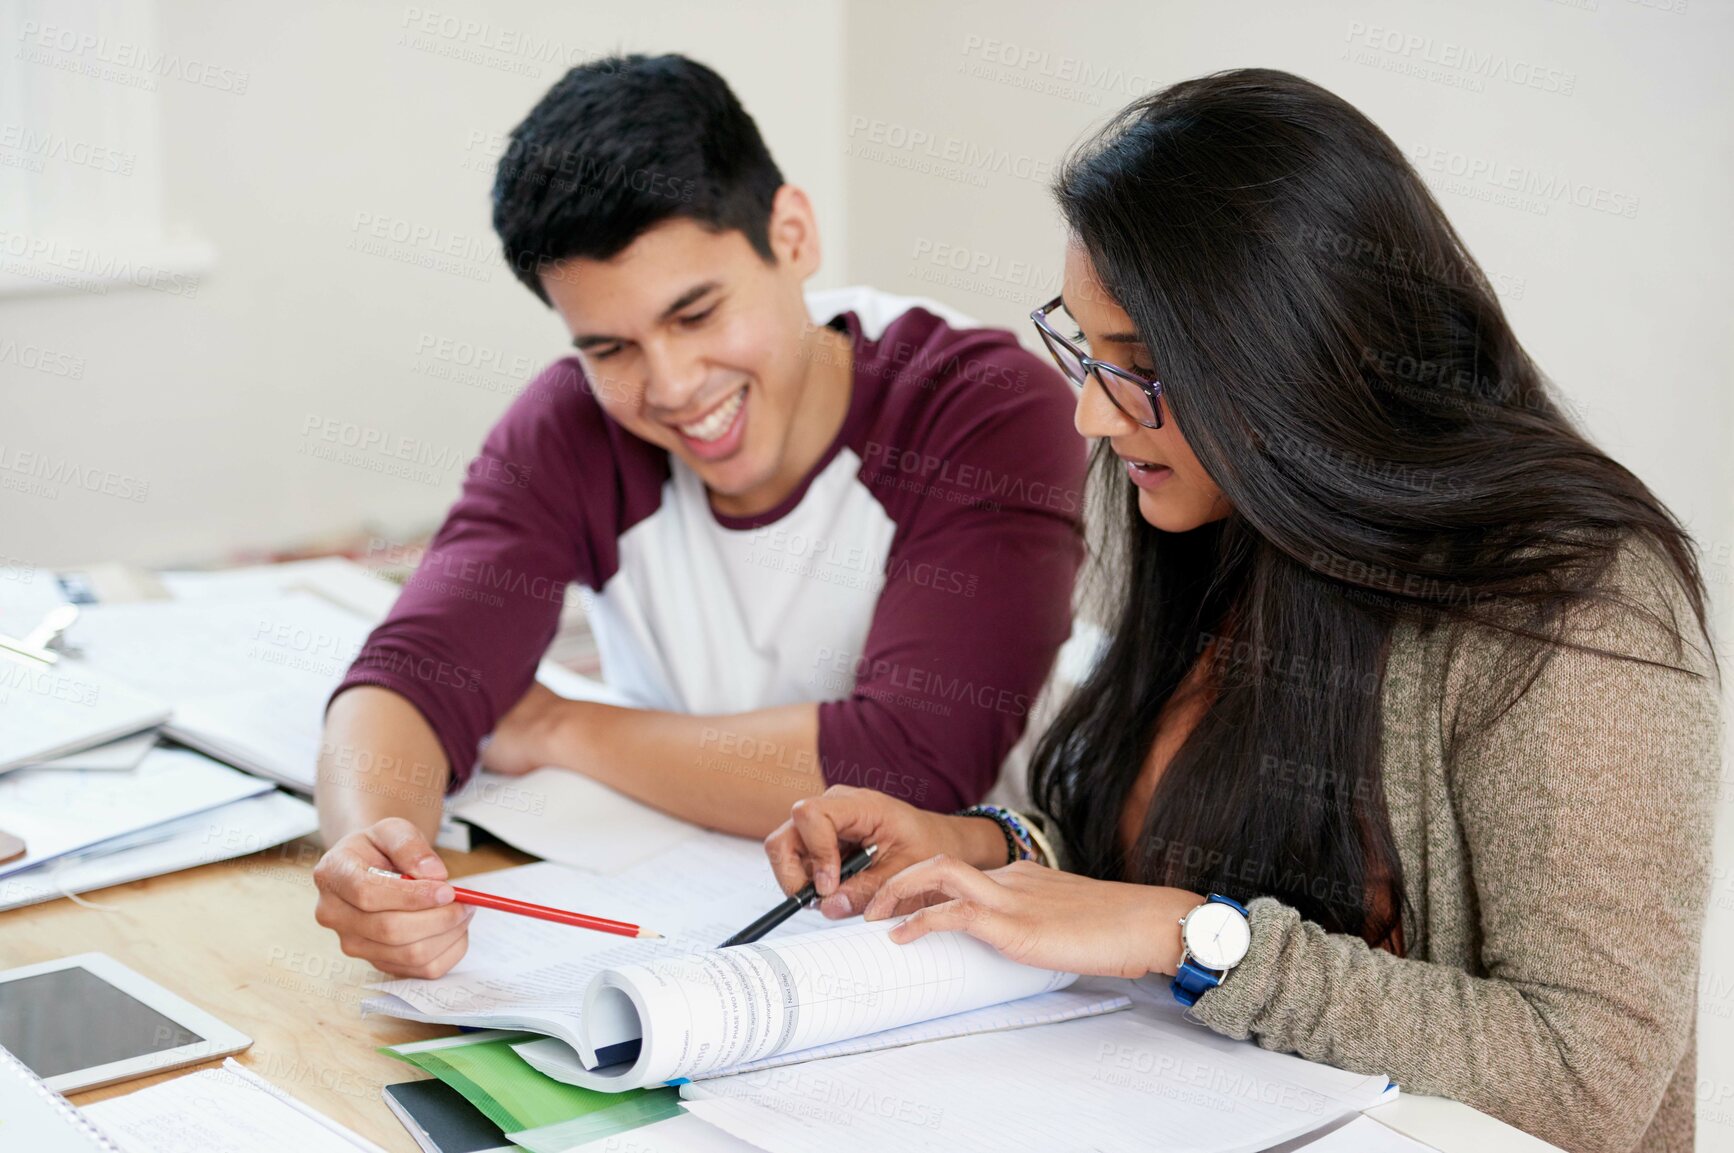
50,710
247,678
248,659
57,706
62,813
89,828
240,666
231,830
114,756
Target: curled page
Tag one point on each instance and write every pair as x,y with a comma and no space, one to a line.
703,1012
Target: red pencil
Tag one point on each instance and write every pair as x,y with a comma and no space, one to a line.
526,909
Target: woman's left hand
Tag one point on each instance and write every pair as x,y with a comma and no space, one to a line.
1043,917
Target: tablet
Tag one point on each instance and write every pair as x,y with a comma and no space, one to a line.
84,1021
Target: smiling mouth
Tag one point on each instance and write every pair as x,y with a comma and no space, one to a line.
713,424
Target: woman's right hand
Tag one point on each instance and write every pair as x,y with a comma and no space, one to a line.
810,845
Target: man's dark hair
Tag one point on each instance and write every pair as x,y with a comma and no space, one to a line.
621,144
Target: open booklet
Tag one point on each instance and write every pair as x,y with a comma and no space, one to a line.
623,1015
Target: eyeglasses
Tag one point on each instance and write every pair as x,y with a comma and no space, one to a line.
1138,397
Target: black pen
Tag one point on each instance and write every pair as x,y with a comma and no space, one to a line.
857,861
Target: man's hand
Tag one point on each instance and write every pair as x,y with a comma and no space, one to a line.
406,928
526,737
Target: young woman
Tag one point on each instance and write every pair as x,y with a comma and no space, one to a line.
1400,664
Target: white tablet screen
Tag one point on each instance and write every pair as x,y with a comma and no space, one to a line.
70,1019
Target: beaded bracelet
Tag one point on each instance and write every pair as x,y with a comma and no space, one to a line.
1022,843
1004,827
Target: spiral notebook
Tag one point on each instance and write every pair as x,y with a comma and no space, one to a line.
35,1117
226,1109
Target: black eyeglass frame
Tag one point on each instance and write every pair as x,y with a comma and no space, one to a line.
1090,366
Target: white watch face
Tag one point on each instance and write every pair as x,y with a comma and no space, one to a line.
1216,935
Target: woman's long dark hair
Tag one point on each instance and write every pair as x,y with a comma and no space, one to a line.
1341,368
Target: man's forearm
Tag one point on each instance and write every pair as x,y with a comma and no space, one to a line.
378,758
737,773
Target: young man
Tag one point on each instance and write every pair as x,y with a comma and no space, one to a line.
826,539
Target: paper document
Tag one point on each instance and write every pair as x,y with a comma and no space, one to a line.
1365,1135
248,669
232,830
564,816
50,710
59,812
125,753
559,1060
1144,1079
28,598
248,678
227,1110
704,1012
341,581
682,1133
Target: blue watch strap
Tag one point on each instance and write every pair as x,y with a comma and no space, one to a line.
1192,980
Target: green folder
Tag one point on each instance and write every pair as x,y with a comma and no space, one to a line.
517,1097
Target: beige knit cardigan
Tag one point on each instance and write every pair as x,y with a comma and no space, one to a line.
1556,862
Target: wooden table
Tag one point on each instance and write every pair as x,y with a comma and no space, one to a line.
237,939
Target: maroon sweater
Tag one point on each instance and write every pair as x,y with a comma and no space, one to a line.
916,584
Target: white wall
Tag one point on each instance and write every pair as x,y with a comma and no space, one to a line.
1625,312
349,111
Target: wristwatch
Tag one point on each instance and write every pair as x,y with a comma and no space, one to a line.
1214,938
